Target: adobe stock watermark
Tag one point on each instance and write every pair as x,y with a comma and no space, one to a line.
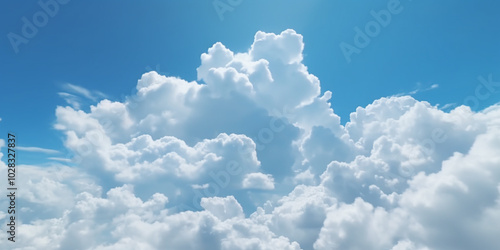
29,29
483,91
362,37
223,6
266,134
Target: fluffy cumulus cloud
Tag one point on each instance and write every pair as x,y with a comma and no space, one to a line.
252,156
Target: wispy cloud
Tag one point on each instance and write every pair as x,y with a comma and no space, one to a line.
447,106
92,95
38,150
197,186
72,100
75,95
419,89
59,159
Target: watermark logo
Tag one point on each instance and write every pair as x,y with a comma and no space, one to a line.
483,91
39,20
362,37
222,7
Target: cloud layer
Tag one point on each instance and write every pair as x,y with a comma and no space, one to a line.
252,156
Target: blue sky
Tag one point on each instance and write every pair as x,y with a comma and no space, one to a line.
436,52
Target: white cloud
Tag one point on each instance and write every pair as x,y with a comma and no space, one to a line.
258,181
223,208
37,150
462,199
358,226
253,157
299,215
